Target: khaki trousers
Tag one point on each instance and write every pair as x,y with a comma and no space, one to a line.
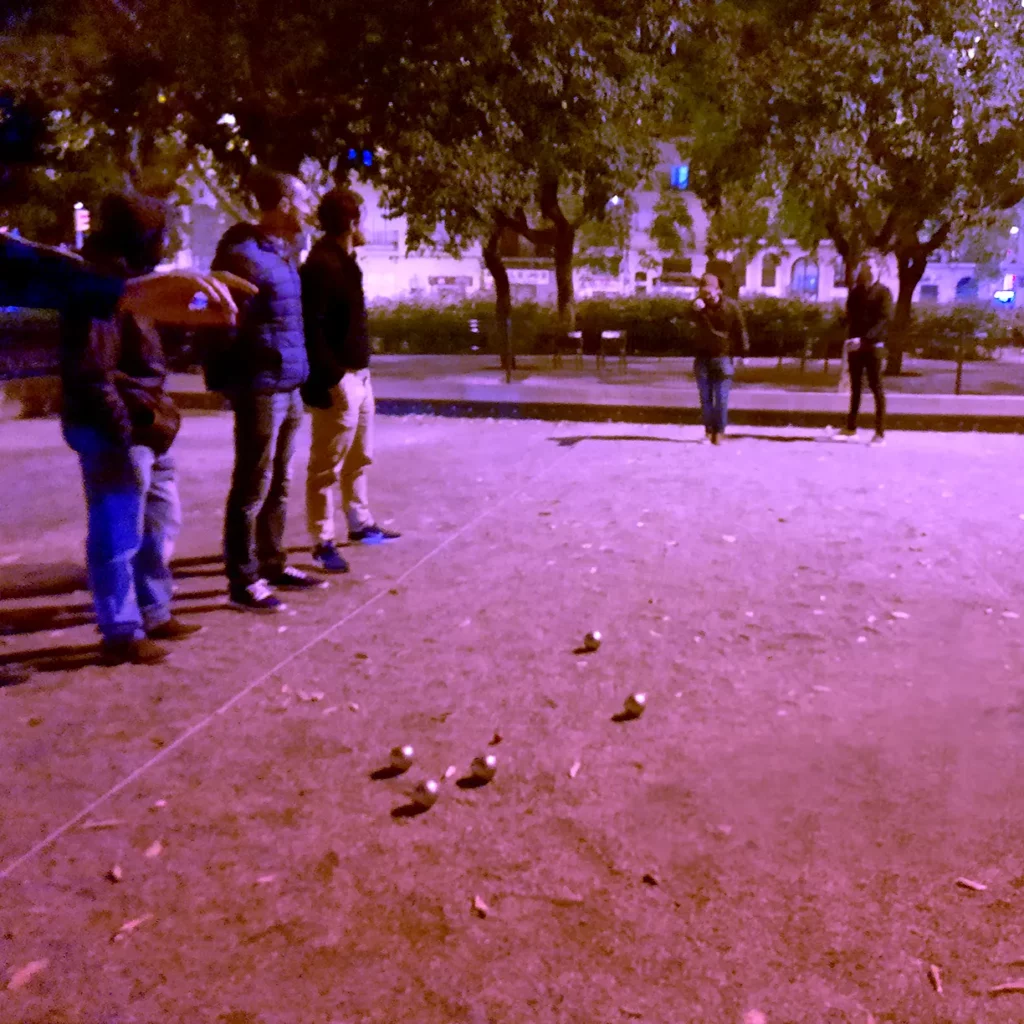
341,453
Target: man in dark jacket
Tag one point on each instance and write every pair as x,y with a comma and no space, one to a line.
338,391
868,312
721,336
119,419
261,371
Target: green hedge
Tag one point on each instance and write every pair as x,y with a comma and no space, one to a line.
662,326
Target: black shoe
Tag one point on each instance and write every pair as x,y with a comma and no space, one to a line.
290,578
174,629
133,652
372,534
716,438
257,597
328,558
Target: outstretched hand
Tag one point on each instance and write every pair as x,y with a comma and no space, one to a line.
186,297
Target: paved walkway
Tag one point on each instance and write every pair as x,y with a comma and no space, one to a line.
650,390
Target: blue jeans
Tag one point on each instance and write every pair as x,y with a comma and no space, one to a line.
134,517
266,426
714,379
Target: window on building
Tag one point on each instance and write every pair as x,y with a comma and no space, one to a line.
770,271
804,281
679,177
677,265
966,289
929,293
640,277
839,272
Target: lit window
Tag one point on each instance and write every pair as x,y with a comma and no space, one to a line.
769,271
805,279
679,177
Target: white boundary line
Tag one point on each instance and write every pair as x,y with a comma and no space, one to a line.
8,871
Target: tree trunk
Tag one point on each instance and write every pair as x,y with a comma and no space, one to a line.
503,301
565,252
911,270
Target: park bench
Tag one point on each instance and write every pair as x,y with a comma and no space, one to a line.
612,342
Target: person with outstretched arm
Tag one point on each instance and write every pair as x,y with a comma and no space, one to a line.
38,277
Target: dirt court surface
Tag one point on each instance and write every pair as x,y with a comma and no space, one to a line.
829,639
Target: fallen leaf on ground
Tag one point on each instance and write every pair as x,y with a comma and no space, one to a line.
265,879
108,823
1010,615
331,710
480,908
649,879
899,615
24,975
450,772
755,1017
129,926
155,849
310,696
720,830
353,706
822,689
970,883
728,538
1006,988
115,874
159,804
495,739
935,977
575,769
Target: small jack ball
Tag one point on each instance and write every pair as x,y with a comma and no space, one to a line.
636,704
592,640
401,758
484,767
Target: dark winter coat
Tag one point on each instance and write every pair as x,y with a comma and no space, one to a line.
266,352
113,371
334,311
720,330
868,312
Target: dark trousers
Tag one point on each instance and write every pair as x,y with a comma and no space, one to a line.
714,381
867,359
265,431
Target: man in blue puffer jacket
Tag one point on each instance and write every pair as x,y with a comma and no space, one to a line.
260,372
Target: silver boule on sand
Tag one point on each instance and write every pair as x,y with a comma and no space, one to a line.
636,704
426,793
592,641
402,757
484,768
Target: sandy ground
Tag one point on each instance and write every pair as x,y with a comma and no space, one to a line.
811,777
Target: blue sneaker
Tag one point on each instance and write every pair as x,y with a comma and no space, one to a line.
328,558
372,534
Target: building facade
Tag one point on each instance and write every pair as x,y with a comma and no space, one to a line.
392,274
